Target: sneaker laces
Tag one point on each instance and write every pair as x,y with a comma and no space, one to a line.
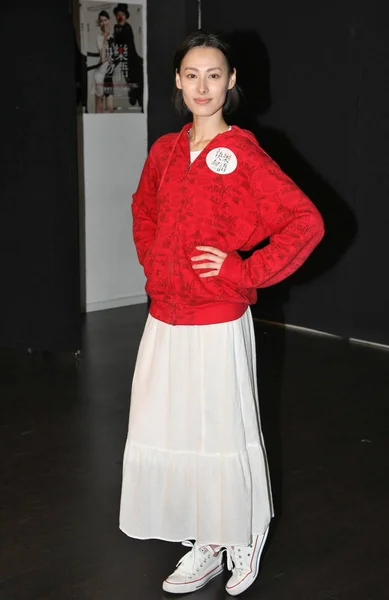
239,557
194,560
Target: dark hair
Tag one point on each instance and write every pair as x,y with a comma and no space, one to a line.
205,40
103,13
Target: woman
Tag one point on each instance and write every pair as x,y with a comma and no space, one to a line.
195,465
103,85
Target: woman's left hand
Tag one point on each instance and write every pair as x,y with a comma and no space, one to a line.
214,259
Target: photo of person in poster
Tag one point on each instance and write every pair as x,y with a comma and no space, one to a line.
112,41
129,62
103,74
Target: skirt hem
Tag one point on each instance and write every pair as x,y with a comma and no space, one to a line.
189,537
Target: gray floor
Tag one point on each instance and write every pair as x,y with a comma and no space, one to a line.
324,407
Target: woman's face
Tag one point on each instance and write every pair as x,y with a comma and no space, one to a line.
204,79
103,23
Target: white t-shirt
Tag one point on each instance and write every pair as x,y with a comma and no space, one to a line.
194,154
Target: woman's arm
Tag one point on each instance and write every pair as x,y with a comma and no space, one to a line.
102,46
144,209
290,220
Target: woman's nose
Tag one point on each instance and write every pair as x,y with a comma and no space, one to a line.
203,87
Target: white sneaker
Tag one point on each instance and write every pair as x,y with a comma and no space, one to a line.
245,566
194,570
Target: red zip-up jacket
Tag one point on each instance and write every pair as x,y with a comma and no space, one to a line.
232,197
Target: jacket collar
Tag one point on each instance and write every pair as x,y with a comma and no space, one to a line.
181,148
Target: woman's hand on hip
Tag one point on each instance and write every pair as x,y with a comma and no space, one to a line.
211,259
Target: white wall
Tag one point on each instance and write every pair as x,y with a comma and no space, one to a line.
114,151
115,148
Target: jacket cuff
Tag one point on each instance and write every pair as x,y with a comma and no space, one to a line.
232,268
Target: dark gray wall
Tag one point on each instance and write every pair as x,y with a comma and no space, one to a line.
40,295
315,78
168,24
317,97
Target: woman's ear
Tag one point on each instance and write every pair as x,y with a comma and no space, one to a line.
178,80
232,80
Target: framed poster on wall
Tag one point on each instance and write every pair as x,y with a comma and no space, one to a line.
113,46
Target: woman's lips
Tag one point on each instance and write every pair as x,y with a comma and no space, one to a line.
202,100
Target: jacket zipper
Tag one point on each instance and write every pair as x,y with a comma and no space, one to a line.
172,312
172,308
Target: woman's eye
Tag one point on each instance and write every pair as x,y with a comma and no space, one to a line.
215,76
191,75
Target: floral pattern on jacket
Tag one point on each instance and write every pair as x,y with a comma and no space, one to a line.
179,206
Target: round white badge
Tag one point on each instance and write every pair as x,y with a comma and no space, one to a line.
222,161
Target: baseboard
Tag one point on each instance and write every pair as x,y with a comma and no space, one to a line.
116,302
297,328
323,333
142,299
366,343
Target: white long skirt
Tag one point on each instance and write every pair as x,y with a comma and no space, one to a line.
195,465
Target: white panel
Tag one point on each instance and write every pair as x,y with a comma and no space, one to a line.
114,151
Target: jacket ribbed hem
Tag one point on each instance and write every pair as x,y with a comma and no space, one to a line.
175,313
